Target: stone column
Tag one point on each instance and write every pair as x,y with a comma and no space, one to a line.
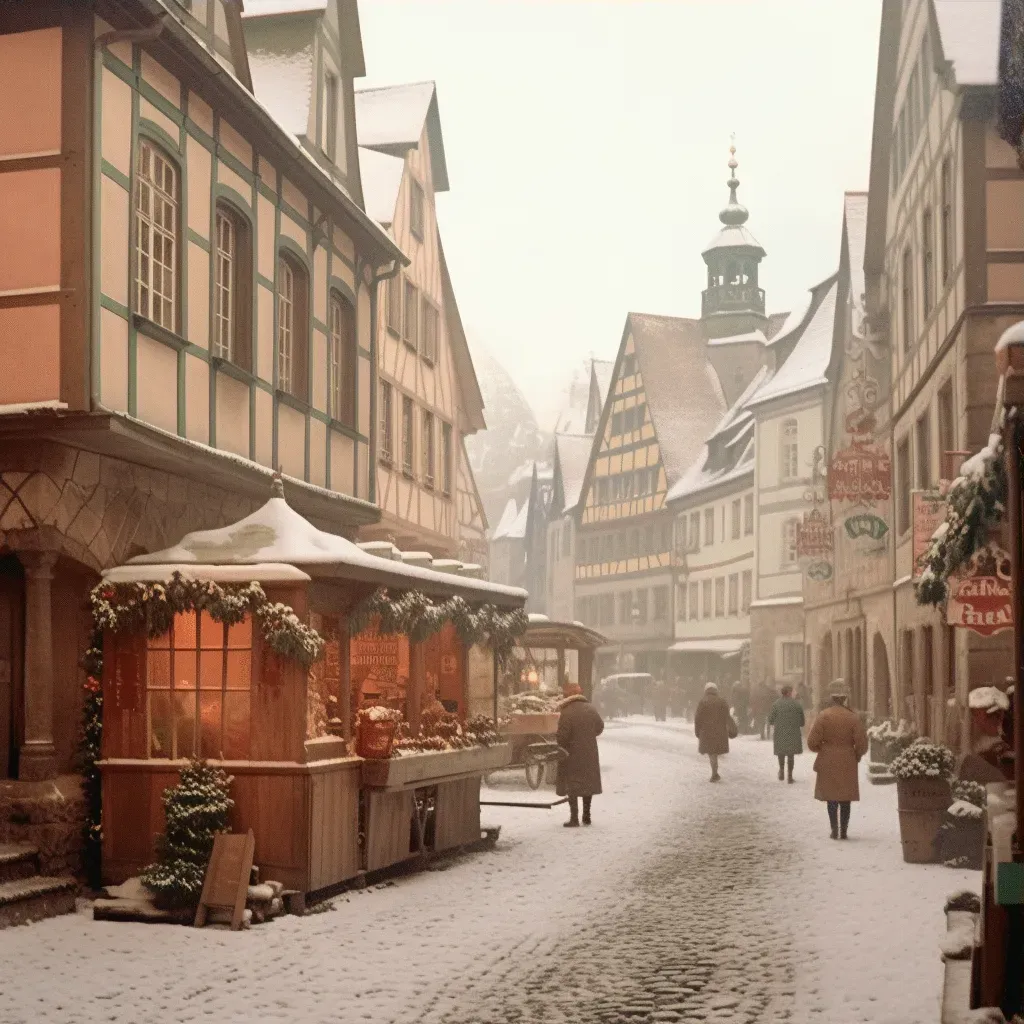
38,757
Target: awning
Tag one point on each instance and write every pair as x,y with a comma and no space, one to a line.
723,647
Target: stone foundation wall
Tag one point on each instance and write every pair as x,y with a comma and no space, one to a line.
48,815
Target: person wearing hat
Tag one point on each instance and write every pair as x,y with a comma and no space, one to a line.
714,727
579,773
787,720
840,740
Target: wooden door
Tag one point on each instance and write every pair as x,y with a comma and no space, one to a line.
12,726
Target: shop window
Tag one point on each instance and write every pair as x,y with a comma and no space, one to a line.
157,236
198,688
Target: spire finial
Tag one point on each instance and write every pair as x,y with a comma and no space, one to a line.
734,213
277,485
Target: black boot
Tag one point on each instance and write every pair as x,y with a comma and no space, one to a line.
586,810
782,771
833,818
844,819
574,814
789,768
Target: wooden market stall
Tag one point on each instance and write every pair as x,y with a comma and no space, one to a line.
544,634
256,646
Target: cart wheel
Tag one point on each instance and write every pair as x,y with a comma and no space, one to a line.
534,773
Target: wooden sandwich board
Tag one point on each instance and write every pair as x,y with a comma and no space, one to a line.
227,878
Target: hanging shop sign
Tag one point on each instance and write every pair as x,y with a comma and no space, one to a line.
929,512
982,599
814,535
820,571
865,524
861,473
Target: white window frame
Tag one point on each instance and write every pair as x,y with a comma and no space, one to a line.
790,528
224,285
386,422
157,228
427,447
791,657
285,325
408,436
789,449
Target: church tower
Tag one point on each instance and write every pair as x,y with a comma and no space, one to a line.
733,304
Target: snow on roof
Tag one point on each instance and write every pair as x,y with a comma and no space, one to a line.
381,175
810,357
739,411
267,572
267,8
756,337
282,80
696,480
856,215
671,350
393,117
969,33
508,517
603,371
775,322
792,322
517,530
732,236
276,533
573,457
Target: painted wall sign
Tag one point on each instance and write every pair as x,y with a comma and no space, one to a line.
929,511
865,524
820,572
861,473
982,600
814,535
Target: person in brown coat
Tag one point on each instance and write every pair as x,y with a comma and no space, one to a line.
840,740
579,774
713,726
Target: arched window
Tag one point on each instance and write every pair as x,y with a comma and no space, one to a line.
292,336
157,236
343,359
232,282
789,450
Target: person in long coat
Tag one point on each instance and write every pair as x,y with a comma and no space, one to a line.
713,726
840,740
579,774
787,720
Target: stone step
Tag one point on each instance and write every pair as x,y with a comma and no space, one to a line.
25,900
18,860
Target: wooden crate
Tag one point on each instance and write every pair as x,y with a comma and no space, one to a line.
532,725
457,813
414,770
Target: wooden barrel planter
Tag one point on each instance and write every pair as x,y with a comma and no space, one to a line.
376,740
922,806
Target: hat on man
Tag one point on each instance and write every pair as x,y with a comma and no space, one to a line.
838,690
711,688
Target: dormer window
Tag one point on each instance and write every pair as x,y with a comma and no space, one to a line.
329,116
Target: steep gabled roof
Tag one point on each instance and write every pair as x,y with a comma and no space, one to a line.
469,384
806,365
381,175
683,391
391,118
508,518
603,370
572,454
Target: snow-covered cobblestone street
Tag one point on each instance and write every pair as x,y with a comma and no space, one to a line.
684,902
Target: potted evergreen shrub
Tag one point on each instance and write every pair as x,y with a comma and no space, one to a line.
962,835
922,775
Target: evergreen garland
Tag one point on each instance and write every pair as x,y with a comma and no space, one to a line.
89,753
152,606
196,809
414,614
976,503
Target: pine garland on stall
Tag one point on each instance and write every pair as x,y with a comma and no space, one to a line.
197,810
89,753
414,614
975,505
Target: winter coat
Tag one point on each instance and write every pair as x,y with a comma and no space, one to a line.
711,724
788,718
840,740
579,725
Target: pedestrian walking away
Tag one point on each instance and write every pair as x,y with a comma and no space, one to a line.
714,726
840,740
786,718
579,773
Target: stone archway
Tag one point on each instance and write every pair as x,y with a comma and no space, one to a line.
881,704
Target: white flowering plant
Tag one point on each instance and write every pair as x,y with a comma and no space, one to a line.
379,713
924,760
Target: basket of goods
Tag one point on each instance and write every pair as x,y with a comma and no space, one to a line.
376,732
923,793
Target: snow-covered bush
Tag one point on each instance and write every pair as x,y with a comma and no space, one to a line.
969,792
924,759
965,900
889,740
988,698
379,713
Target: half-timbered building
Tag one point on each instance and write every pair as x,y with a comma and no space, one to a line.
187,297
428,398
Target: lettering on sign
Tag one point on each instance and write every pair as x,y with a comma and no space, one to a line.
861,473
929,512
982,600
378,653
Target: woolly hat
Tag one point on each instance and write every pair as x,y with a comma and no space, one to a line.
838,688
571,689
711,688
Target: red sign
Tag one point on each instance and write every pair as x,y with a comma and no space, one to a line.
983,600
860,473
929,512
814,536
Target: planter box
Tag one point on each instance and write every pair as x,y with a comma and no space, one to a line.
412,770
923,794
532,725
919,830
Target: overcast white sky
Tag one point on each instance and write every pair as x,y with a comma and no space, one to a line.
587,143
